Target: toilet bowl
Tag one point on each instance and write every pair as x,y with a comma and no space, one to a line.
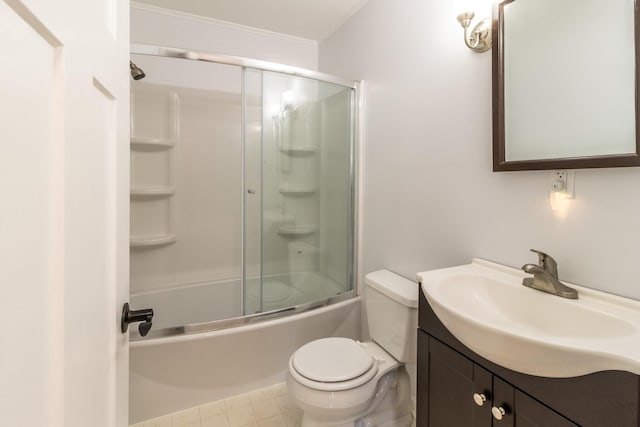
339,382
348,383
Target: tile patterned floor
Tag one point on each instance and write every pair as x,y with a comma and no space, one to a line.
267,407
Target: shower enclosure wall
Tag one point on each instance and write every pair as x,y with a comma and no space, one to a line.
242,190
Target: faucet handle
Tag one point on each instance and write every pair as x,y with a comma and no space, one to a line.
547,262
541,255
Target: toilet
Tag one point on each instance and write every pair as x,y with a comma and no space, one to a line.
340,382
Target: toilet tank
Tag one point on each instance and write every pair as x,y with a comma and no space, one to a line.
392,313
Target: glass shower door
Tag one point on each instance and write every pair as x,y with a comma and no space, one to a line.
186,191
306,197
241,192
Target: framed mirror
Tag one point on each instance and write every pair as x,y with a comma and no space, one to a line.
565,84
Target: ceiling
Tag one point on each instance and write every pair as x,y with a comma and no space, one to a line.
309,19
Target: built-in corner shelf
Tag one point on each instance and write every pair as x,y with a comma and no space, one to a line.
140,143
296,190
298,149
154,137
151,241
296,230
151,192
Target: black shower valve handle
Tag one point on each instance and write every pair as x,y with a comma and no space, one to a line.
144,327
144,316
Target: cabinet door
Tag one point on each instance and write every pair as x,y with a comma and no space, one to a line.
452,382
531,413
521,410
503,402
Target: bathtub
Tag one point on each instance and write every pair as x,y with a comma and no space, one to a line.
196,303
173,373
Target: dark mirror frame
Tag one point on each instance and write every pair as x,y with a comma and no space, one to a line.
499,163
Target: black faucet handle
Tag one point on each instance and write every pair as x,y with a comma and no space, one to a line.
144,327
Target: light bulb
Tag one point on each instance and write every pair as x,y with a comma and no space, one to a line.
462,6
560,202
481,8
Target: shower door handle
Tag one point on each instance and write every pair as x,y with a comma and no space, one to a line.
130,316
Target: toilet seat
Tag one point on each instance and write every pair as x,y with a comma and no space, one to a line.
332,364
332,360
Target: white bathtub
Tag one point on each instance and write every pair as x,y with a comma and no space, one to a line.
174,373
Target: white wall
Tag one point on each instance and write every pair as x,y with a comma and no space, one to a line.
205,212
430,198
151,25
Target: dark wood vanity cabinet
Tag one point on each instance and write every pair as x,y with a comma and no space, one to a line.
451,378
453,384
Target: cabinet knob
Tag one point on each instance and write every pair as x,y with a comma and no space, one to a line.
498,412
479,398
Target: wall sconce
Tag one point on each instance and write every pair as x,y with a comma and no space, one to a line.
478,39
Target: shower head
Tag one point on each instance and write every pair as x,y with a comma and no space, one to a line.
136,72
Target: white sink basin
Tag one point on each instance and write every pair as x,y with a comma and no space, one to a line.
485,306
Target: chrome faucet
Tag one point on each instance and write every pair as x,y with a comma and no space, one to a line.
545,277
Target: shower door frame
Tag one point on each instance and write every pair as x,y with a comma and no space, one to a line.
355,180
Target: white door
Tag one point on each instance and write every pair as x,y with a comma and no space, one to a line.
64,172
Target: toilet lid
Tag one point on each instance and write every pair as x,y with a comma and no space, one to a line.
331,360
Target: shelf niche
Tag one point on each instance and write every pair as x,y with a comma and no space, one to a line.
152,241
151,192
296,230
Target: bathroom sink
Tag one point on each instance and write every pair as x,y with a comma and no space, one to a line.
485,306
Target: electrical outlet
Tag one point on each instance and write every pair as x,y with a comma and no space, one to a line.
560,175
563,180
